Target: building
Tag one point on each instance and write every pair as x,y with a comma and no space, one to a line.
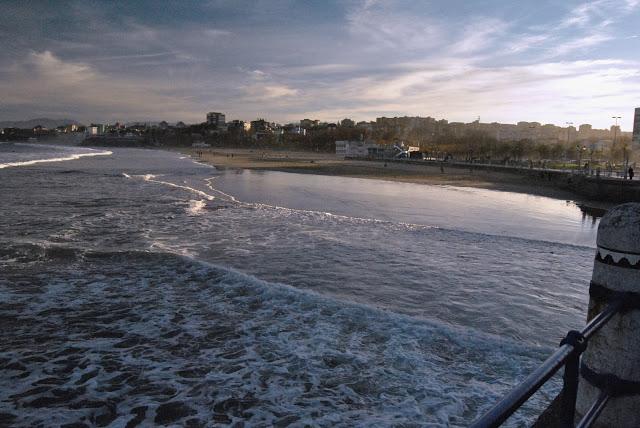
260,125
290,128
96,129
309,123
636,126
215,118
261,129
359,149
40,130
586,133
238,126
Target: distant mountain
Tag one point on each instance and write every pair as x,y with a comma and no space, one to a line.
43,121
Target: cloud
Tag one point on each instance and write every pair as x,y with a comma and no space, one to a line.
43,81
276,91
526,42
581,15
478,35
580,43
269,91
548,91
135,56
383,25
289,59
632,4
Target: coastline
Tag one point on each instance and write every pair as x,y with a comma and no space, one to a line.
329,164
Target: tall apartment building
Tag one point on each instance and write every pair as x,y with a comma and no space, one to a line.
215,118
636,126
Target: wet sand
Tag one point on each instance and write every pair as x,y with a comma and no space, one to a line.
329,164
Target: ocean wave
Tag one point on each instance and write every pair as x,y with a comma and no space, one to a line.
154,337
153,179
69,157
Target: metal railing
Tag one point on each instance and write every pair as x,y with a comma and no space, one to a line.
567,355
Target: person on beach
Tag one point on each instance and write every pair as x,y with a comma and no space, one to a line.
630,173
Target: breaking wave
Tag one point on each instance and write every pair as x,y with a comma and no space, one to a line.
55,158
140,337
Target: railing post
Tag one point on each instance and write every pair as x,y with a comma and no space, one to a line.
570,390
611,362
571,376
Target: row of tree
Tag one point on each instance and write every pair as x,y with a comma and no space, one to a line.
479,146
473,146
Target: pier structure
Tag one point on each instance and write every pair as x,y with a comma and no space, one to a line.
610,366
601,382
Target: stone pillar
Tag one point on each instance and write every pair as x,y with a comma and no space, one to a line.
615,349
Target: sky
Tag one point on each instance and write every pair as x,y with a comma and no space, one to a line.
550,61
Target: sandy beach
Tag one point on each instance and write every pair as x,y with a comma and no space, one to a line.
329,164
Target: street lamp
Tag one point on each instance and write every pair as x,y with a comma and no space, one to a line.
624,151
569,125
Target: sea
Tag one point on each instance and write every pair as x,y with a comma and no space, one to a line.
140,287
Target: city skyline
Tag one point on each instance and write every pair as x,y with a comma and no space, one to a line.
555,62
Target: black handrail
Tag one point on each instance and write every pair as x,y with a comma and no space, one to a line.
568,353
595,410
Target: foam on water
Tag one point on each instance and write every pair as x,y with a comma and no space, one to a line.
152,178
127,333
53,151
196,207
119,290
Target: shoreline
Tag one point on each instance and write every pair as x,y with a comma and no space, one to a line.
329,164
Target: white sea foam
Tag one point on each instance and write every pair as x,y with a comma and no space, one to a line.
98,335
74,156
196,207
152,178
232,348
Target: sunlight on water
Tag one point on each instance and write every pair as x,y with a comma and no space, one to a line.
470,209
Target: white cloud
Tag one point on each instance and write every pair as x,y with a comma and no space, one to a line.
579,43
632,4
380,25
44,81
547,92
526,42
584,14
269,91
479,34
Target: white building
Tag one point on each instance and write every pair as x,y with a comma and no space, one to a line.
95,129
357,149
